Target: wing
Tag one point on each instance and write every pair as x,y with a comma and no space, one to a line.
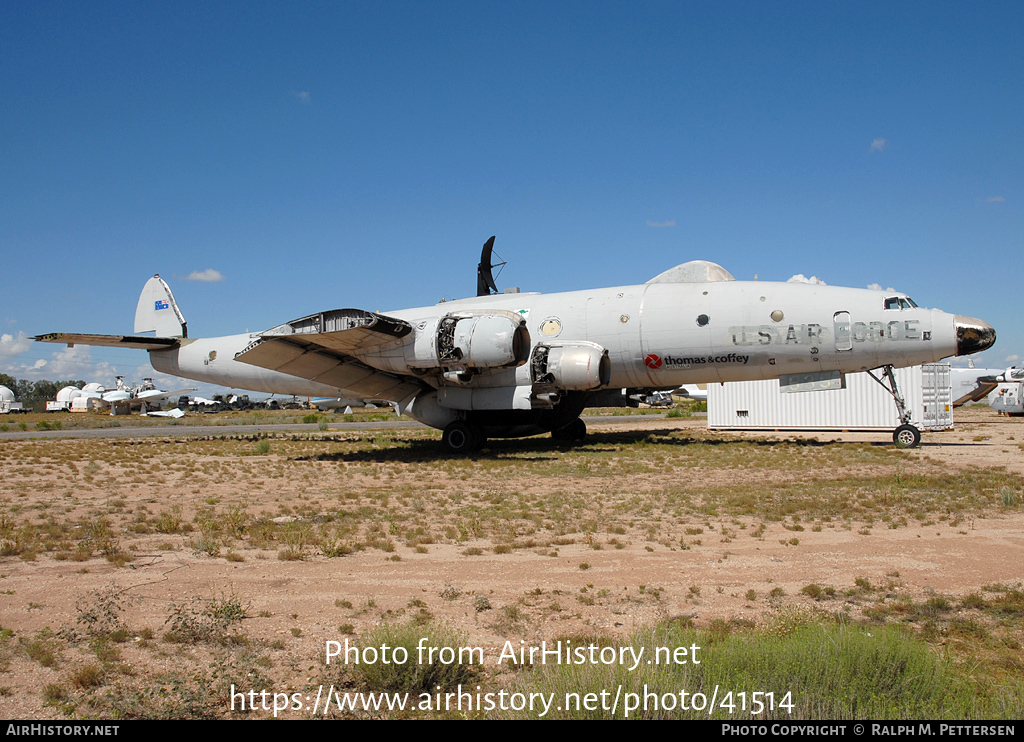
984,386
173,412
112,341
324,347
157,395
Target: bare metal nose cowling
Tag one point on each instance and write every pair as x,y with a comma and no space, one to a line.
973,335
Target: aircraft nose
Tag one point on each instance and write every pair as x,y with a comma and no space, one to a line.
972,335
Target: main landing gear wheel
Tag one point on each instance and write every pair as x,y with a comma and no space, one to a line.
906,436
576,432
461,438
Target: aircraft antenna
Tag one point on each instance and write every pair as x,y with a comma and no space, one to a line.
485,285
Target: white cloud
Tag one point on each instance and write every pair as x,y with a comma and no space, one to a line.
69,363
995,199
801,278
878,287
877,145
12,346
670,223
1013,358
210,275
303,96
72,363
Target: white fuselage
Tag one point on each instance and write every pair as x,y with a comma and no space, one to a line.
212,360
663,335
658,335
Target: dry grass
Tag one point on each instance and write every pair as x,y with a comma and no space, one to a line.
314,494
316,497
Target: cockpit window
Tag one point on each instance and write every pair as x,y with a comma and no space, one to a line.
900,302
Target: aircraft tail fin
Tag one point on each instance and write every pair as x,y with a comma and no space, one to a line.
158,312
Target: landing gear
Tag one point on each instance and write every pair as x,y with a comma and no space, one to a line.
461,438
574,432
906,435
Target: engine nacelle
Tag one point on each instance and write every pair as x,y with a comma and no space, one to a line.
477,340
579,366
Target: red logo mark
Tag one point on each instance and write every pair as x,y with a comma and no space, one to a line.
652,361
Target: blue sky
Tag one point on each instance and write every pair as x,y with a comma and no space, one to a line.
335,154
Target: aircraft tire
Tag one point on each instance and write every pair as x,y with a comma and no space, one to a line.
906,436
575,432
461,438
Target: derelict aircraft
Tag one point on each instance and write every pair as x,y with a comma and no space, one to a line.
519,364
123,399
974,384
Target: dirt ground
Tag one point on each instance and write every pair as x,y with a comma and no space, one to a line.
560,587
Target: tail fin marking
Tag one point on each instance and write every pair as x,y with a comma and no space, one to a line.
158,312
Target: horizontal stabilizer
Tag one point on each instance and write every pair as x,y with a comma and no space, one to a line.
110,341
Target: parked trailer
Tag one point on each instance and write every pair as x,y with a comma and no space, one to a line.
1008,398
863,405
7,403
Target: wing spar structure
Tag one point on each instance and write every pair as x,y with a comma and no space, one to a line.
324,347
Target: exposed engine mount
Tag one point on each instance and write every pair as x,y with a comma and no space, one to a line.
472,340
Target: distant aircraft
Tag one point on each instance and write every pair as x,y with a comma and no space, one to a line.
122,399
125,399
518,364
1001,389
692,391
974,384
340,403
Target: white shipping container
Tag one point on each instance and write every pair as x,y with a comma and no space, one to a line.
863,405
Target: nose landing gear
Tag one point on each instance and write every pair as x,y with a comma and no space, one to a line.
906,435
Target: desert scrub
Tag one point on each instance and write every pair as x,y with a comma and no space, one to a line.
213,622
99,615
451,663
829,671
